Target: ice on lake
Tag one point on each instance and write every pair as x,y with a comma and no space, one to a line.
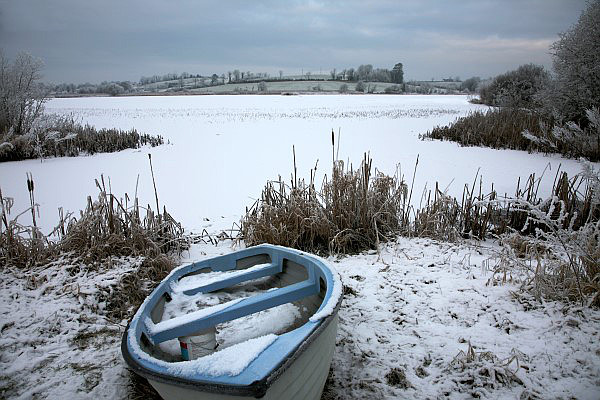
222,149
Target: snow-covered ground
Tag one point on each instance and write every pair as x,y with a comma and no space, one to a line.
415,307
420,319
420,305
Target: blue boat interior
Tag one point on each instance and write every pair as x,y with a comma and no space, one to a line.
278,275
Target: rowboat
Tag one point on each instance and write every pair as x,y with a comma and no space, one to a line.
264,320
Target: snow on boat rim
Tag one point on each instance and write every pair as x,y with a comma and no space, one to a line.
264,356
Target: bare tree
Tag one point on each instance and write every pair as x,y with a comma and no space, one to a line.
22,96
364,72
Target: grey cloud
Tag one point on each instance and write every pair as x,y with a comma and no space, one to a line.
94,41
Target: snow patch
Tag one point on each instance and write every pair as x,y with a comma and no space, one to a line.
183,319
231,361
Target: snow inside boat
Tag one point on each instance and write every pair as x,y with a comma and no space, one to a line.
267,316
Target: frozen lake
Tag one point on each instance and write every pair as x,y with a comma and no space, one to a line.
224,148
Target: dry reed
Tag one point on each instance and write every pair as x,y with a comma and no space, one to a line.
497,128
351,212
111,227
520,129
355,210
63,137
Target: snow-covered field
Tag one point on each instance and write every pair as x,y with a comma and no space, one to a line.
420,319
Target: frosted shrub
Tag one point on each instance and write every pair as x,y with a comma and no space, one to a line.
22,96
517,89
581,141
564,248
576,62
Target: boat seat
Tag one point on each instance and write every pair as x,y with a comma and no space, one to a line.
234,277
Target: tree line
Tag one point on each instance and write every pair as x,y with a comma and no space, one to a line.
176,81
366,73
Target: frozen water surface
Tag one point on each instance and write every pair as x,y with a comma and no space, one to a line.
223,149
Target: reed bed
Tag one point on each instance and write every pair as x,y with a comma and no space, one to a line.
22,245
355,210
520,129
499,128
63,137
113,227
559,241
444,218
109,228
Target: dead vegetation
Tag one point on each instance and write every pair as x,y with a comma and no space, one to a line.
355,210
54,136
482,371
396,377
521,129
554,241
496,128
109,228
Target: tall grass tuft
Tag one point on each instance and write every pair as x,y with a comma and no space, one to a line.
559,242
363,207
352,211
113,227
444,218
21,245
108,227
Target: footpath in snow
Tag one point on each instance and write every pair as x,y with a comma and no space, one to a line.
420,319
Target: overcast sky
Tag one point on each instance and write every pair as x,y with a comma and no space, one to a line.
85,40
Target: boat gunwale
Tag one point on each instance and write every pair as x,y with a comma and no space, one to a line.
257,388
